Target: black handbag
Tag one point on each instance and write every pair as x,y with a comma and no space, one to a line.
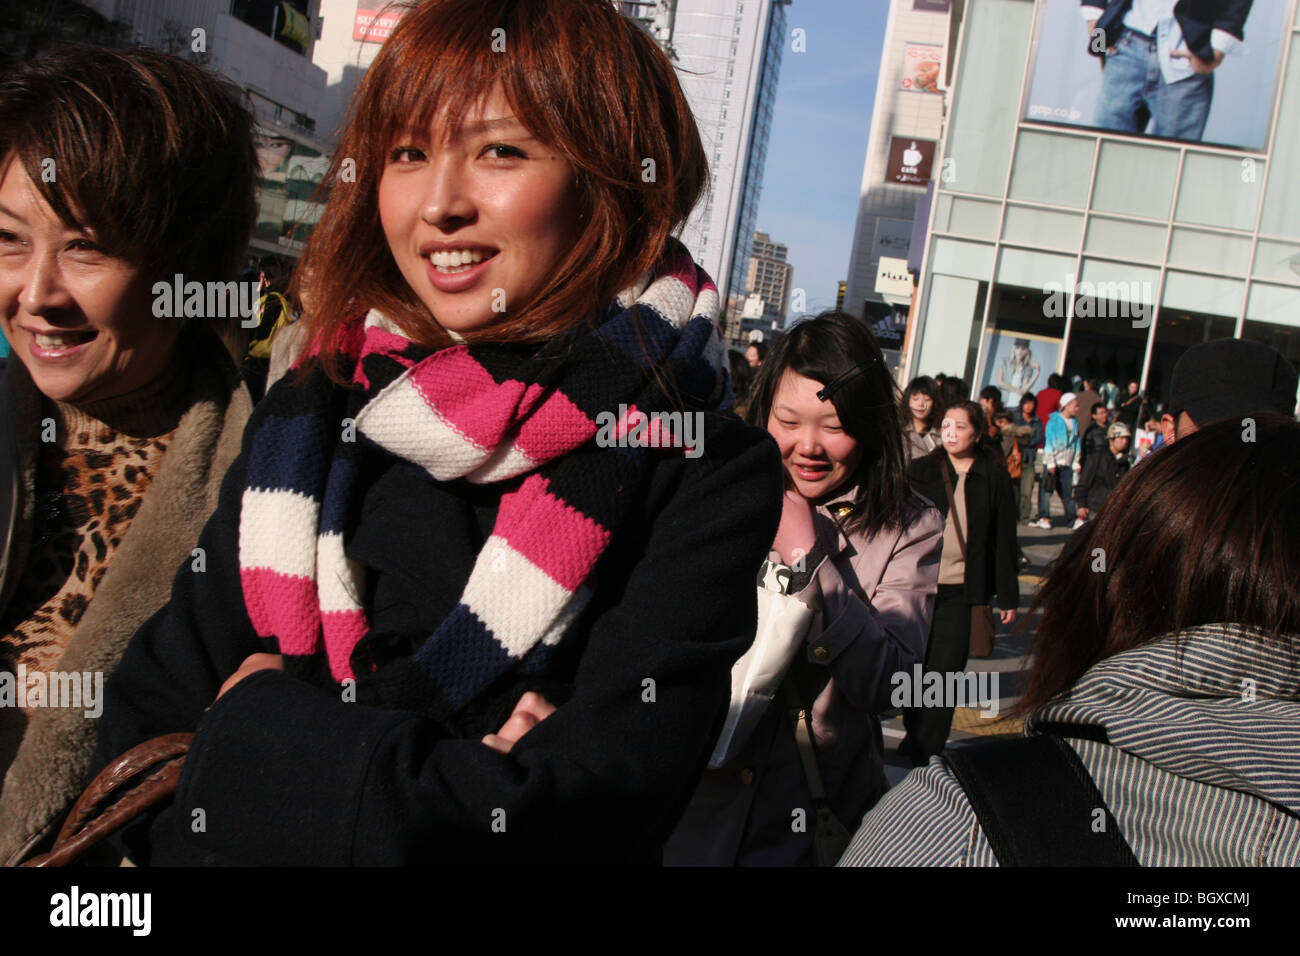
1049,481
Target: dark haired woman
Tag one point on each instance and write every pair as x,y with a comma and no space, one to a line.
120,170
475,586
742,380
862,550
973,491
1171,673
921,411
756,354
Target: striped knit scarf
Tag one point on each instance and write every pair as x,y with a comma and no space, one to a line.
520,416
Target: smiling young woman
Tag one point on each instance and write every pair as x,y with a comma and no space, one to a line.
437,607
863,553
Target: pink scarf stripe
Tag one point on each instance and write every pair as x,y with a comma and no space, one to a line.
284,607
552,535
343,632
556,427
466,397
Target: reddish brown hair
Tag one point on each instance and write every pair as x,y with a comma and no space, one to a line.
579,76
1205,531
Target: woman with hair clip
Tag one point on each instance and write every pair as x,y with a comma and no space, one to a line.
475,585
973,491
121,169
1164,699
862,553
920,412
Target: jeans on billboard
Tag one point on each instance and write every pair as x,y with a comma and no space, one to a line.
1065,488
1133,91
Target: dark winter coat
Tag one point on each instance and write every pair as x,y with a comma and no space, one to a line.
291,772
1100,474
1094,442
990,524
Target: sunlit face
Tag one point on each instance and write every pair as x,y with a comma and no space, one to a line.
958,434
752,357
987,405
477,224
79,318
1102,417
1132,388
1028,408
1071,408
819,456
921,405
1119,444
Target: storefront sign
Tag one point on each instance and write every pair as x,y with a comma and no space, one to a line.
910,161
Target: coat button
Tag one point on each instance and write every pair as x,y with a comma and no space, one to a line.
747,777
821,652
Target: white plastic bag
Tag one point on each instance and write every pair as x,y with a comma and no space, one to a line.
783,622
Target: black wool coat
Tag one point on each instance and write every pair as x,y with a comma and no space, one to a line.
287,771
990,519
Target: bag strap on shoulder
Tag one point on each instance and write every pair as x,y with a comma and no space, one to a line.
1037,803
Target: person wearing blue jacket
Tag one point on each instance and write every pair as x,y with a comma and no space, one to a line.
1060,460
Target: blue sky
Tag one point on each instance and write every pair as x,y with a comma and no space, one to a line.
819,139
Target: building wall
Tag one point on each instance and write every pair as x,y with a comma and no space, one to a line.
720,47
885,209
1111,253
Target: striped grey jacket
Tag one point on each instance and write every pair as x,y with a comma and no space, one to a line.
1202,767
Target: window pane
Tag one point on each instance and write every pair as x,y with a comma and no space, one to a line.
1279,217
1052,168
1208,294
1034,270
987,101
972,218
1274,303
1129,240
952,257
1117,188
1213,251
1279,261
954,312
1042,227
1220,191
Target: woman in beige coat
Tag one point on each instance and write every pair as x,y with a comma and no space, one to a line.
863,554
123,175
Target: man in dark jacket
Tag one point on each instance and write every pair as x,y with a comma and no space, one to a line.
1179,43
1094,439
1102,472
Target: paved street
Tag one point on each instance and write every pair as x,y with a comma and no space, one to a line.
1010,658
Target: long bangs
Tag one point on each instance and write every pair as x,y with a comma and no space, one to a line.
580,77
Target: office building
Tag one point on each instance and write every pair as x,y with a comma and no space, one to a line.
1058,241
906,123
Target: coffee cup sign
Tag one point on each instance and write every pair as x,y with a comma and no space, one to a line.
910,161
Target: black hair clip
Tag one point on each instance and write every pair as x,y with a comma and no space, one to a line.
827,391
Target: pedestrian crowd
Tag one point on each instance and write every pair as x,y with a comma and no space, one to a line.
373,588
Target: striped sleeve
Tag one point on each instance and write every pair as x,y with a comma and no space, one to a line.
924,821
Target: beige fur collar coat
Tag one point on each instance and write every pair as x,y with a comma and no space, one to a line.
55,748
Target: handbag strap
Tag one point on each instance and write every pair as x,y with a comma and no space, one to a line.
1037,804
952,506
162,756
804,742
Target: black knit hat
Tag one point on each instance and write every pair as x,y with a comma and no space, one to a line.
1229,378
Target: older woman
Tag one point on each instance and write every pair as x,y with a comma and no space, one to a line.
119,170
476,584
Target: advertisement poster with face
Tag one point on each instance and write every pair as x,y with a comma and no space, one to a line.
1192,70
1018,362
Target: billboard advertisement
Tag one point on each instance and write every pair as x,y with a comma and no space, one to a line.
1018,362
374,21
1201,71
922,67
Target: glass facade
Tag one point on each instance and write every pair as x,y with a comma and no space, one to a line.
1112,253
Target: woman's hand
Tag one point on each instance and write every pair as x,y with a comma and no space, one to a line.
1008,616
252,664
531,710
795,535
